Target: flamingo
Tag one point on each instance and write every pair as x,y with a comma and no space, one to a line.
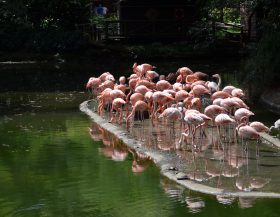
117,106
151,75
242,113
276,125
140,106
171,114
181,95
228,89
237,92
105,98
199,90
223,119
103,76
259,126
213,110
247,132
163,85
142,89
192,119
220,94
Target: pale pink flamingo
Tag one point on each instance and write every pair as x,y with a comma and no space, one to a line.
110,78
104,99
103,76
121,87
242,113
133,76
229,104
149,99
185,71
142,89
171,114
148,84
192,78
132,84
275,126
237,92
140,70
177,86
241,103
117,105
201,82
192,119
196,103
217,101
213,110
163,85
106,84
199,90
223,120
151,75
93,83
220,94
162,100
247,132
259,126
140,106
181,95
136,97
228,89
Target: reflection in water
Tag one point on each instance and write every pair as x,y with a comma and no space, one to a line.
246,202
223,163
116,150
226,200
195,204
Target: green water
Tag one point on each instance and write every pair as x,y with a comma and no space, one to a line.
50,166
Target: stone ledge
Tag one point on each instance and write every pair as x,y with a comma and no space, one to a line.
160,160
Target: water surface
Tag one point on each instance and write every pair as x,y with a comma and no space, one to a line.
53,163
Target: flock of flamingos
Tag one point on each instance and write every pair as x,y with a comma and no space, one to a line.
185,96
193,100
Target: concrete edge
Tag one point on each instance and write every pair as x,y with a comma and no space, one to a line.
158,159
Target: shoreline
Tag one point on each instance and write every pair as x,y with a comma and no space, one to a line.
163,161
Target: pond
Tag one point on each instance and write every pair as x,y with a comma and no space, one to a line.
51,166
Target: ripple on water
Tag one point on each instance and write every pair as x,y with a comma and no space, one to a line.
195,204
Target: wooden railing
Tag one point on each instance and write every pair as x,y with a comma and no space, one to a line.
117,30
135,29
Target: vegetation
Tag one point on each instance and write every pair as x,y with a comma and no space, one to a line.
263,66
26,25
42,25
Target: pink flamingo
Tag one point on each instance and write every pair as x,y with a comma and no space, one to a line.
142,89
259,126
220,94
140,106
117,105
103,76
223,120
228,89
213,110
151,75
163,85
247,132
243,113
181,95
237,92
104,99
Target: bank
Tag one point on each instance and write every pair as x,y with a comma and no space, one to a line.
166,161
